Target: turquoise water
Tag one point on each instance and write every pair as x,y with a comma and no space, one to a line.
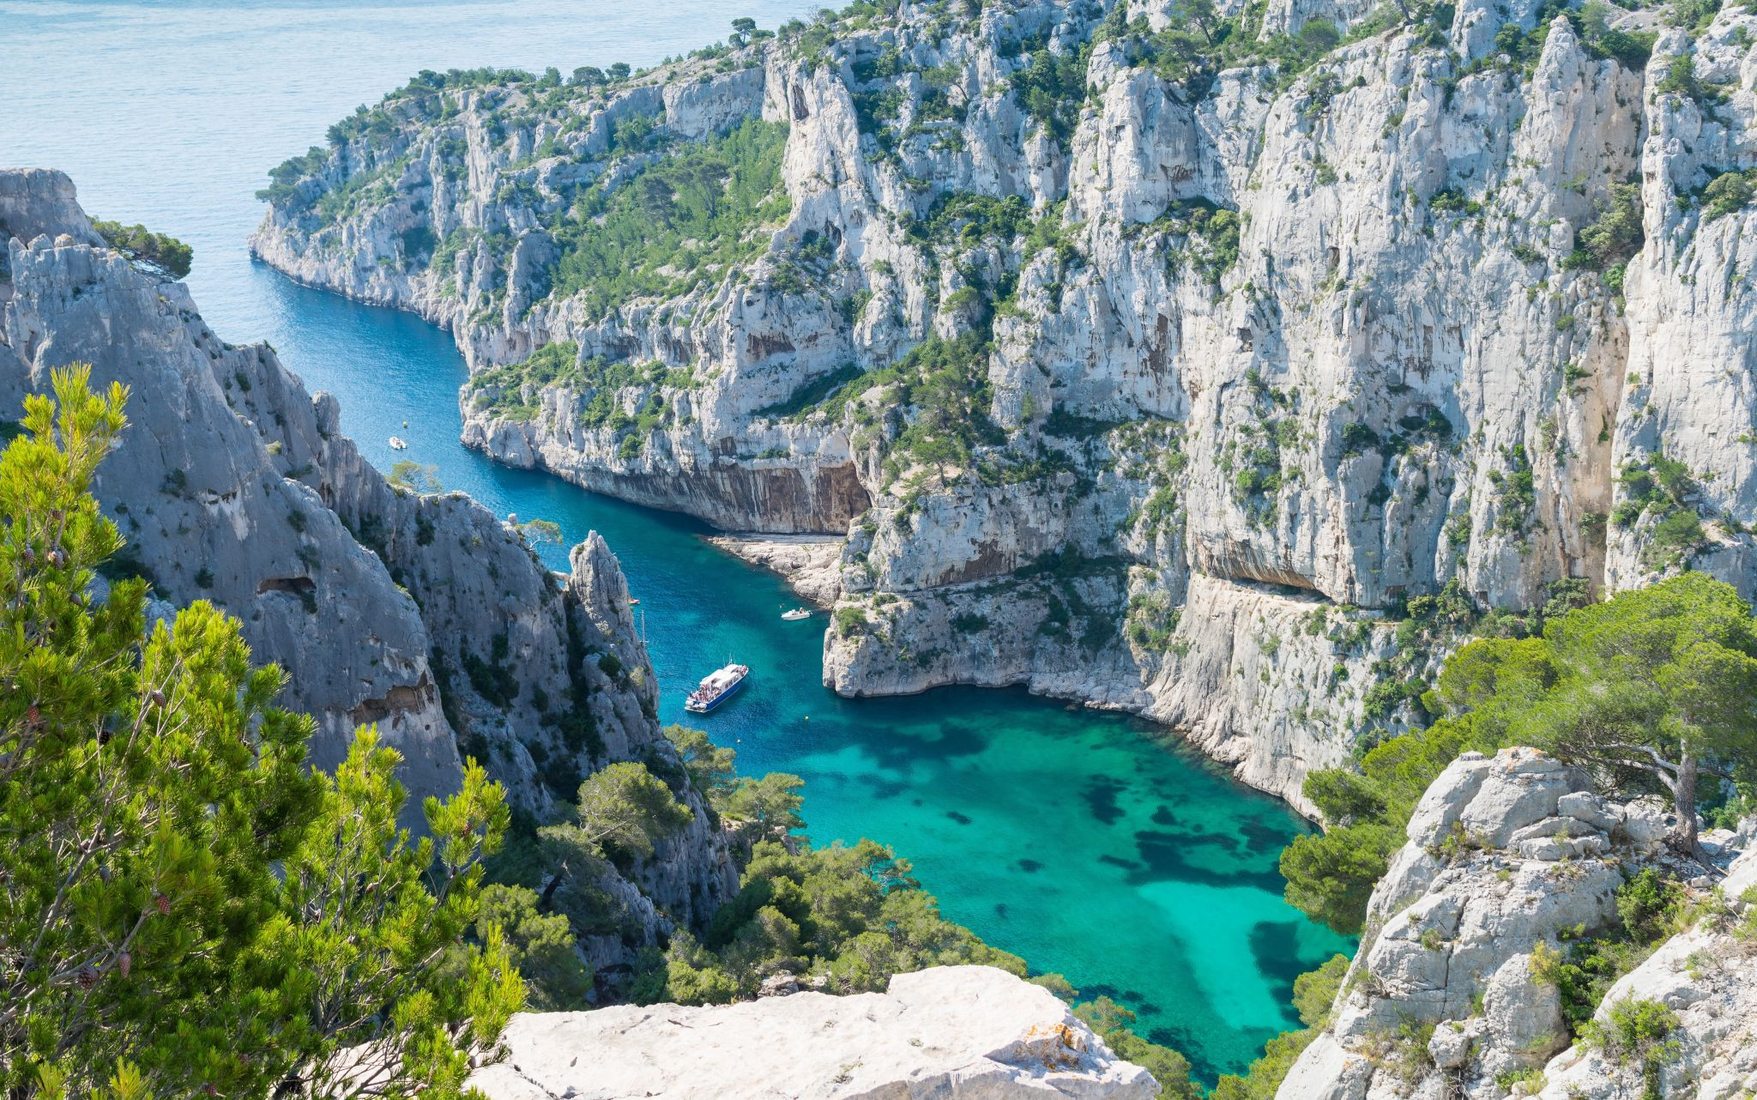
1074,839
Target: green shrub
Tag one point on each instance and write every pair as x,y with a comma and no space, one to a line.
163,254
1453,201
1727,193
851,621
1680,79
1111,1021
1331,875
1051,88
1629,48
968,622
1640,1031
1614,235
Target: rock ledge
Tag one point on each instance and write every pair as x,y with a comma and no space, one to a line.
973,1032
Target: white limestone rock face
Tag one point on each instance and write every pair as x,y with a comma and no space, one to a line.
1706,977
1235,347
235,485
1452,927
967,1031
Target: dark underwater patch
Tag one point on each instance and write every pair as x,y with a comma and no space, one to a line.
962,819
1101,798
1187,1043
898,750
1261,838
960,739
1275,947
1030,866
1167,856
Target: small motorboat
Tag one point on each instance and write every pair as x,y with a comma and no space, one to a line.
398,443
715,688
796,614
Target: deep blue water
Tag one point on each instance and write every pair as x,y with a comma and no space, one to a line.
1084,842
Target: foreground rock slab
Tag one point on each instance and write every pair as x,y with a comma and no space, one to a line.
973,1032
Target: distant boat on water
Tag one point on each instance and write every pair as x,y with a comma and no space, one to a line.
398,443
796,614
717,687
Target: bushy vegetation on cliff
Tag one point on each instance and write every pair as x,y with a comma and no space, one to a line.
683,220
848,916
186,907
1650,690
158,252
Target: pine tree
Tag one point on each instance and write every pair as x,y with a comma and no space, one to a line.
186,908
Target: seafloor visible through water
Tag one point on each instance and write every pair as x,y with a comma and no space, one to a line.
1077,840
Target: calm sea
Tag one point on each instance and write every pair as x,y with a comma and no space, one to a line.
1071,838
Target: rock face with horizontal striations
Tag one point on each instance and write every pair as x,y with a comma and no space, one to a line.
972,1032
1506,856
422,614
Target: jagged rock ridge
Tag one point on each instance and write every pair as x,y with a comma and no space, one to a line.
422,614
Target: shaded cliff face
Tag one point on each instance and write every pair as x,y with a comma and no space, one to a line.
1146,365
422,614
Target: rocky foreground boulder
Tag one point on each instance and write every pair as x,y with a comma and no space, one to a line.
971,1032
1508,860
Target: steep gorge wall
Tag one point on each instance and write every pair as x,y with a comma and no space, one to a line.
421,614
1215,369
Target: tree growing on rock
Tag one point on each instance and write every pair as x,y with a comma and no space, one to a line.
186,908
1653,688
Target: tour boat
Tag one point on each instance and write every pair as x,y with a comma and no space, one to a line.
796,614
716,688
398,443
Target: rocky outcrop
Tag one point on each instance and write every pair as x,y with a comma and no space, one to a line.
423,615
1507,858
811,564
1226,335
967,1031
1707,977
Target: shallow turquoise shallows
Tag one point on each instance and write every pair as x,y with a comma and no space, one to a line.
1076,840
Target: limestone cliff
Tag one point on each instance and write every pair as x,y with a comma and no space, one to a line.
422,614
967,1031
1148,364
1510,860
